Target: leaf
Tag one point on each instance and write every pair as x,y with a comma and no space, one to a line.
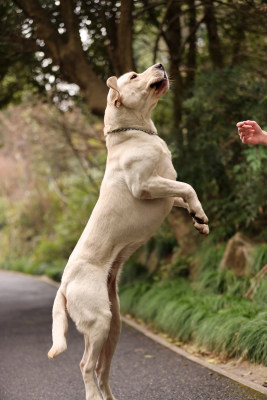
211,360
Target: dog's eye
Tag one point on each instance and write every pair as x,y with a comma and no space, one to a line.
133,76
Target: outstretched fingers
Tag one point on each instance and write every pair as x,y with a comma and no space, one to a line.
250,132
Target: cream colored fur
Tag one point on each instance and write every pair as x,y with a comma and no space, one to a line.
138,191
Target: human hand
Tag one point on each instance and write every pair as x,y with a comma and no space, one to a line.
251,133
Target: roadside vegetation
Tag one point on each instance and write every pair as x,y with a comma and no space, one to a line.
209,291
212,309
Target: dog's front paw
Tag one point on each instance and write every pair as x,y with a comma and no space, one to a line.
202,228
199,217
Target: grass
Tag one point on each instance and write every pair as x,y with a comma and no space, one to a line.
52,270
209,310
259,258
223,324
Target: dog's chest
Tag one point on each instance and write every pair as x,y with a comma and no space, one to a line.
165,167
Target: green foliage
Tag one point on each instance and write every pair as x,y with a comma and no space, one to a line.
163,242
53,269
213,280
45,235
259,258
56,197
222,324
224,282
253,338
178,267
57,232
210,254
220,331
225,173
3,208
66,229
249,175
209,310
16,68
261,293
133,271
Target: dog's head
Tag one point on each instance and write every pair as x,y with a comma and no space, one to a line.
136,91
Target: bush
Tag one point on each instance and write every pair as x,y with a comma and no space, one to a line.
226,174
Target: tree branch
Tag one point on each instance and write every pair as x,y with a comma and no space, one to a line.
69,55
71,22
76,153
148,7
23,45
44,28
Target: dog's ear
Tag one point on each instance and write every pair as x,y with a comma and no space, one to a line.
115,96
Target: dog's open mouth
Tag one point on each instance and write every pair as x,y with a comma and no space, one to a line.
159,84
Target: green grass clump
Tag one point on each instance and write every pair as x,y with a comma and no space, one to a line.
259,258
261,294
253,338
53,269
225,325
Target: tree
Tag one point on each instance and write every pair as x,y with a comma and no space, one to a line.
215,48
85,41
53,28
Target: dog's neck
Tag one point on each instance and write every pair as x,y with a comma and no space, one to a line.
119,118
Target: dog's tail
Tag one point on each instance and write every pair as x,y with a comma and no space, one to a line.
60,325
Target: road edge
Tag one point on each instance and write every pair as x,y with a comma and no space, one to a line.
158,339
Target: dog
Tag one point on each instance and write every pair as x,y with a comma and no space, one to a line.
138,191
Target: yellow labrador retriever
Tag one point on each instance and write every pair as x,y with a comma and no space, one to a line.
138,191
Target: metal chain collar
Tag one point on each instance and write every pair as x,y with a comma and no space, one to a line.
132,129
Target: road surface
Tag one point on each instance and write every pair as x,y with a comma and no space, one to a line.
141,369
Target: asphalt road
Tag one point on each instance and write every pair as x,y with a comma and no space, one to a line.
141,370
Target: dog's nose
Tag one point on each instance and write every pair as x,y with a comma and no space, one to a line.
159,66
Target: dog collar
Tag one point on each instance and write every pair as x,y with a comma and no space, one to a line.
132,129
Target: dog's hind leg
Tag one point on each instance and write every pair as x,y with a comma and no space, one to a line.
95,338
85,354
90,310
104,361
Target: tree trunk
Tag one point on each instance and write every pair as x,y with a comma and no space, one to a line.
177,87
120,38
191,54
238,49
125,51
173,38
215,48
